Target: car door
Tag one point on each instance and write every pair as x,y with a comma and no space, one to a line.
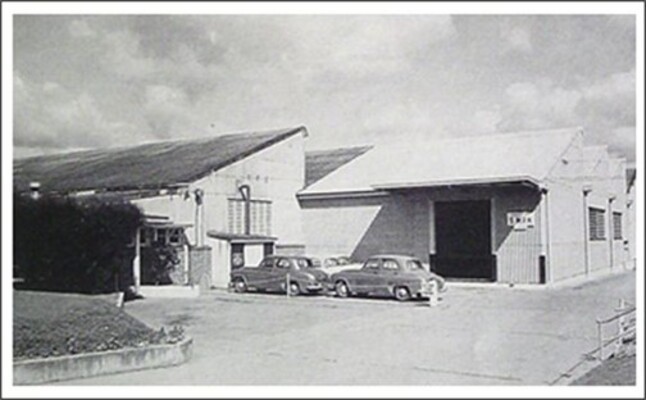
260,277
367,279
282,267
391,275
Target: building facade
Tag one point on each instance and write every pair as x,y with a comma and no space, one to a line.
534,207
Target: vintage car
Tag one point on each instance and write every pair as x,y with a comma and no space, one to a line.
400,276
333,264
273,272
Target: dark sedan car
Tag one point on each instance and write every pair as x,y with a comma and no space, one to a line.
387,275
278,273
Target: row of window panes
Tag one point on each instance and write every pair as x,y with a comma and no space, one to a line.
597,224
260,218
173,236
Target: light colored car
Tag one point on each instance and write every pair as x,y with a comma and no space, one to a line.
333,264
402,277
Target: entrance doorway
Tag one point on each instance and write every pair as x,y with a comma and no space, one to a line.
463,240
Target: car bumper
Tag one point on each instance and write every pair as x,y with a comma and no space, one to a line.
314,287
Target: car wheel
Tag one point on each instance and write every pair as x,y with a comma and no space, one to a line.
294,289
239,285
402,293
342,289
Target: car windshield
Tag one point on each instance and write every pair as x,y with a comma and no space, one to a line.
414,265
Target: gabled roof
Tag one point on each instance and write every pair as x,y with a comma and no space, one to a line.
506,157
146,166
320,163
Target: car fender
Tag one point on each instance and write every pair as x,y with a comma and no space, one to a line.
339,277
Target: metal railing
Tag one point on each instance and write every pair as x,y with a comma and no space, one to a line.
624,318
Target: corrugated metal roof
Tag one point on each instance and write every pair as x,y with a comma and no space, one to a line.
505,157
153,165
320,163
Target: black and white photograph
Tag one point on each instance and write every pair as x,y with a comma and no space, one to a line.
323,199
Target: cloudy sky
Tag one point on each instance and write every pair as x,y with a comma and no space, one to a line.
98,81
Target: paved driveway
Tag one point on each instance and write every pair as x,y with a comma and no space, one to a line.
476,336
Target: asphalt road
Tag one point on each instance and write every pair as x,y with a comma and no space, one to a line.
476,336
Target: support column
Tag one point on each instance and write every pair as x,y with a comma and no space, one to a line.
544,260
136,262
611,232
586,247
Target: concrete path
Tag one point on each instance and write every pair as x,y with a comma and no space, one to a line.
476,336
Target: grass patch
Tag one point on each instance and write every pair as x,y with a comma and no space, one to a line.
620,371
53,324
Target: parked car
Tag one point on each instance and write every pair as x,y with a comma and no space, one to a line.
400,276
334,264
271,275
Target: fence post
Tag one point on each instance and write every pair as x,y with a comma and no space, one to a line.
287,289
622,323
432,295
600,339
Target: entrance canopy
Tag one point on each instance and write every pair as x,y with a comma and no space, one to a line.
241,238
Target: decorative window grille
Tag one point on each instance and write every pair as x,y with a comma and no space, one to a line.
597,223
260,218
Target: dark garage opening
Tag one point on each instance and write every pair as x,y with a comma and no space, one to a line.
463,240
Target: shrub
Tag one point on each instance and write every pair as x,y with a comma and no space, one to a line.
74,245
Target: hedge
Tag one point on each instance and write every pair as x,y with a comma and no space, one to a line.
74,245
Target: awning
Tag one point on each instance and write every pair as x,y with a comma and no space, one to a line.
241,238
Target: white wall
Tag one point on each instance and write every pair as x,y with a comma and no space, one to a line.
275,174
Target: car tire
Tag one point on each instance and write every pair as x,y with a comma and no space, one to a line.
341,289
239,285
401,293
294,289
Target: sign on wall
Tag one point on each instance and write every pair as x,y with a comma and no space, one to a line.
520,220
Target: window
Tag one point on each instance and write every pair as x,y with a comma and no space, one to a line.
267,263
283,263
373,264
391,265
597,223
616,226
175,236
259,220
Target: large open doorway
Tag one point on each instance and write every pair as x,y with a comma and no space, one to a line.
463,240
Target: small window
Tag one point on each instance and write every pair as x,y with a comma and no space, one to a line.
267,263
597,224
616,226
391,265
145,237
175,236
161,235
373,264
283,263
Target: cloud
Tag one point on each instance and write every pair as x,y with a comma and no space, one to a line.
168,111
517,39
50,116
79,28
605,108
529,105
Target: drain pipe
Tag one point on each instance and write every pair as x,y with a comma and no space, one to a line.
610,230
245,191
586,256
